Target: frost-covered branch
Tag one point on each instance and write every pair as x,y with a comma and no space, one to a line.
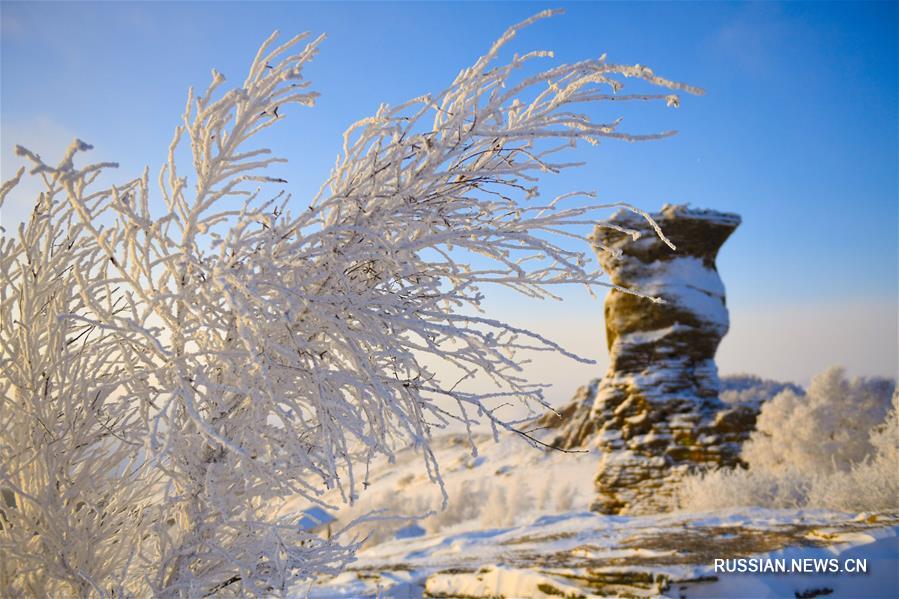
76,489
253,354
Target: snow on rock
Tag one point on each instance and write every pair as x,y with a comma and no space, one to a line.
479,547
656,414
584,554
498,581
878,548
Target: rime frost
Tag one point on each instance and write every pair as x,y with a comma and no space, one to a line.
170,378
834,446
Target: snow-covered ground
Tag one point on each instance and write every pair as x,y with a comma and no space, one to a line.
581,554
517,525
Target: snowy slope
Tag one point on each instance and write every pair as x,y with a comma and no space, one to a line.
504,484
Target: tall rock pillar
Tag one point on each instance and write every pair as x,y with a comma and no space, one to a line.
656,413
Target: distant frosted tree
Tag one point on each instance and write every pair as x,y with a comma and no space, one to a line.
827,428
175,366
753,391
871,484
835,446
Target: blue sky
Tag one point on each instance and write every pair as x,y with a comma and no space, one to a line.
797,131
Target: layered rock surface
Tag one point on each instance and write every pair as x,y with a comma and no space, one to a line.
583,555
656,414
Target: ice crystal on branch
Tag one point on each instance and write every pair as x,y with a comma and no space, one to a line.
247,354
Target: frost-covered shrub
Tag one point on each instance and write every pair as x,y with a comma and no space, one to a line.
885,438
827,428
727,488
76,488
464,503
545,497
376,517
522,501
564,498
489,502
554,497
496,510
473,502
200,330
872,485
505,505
